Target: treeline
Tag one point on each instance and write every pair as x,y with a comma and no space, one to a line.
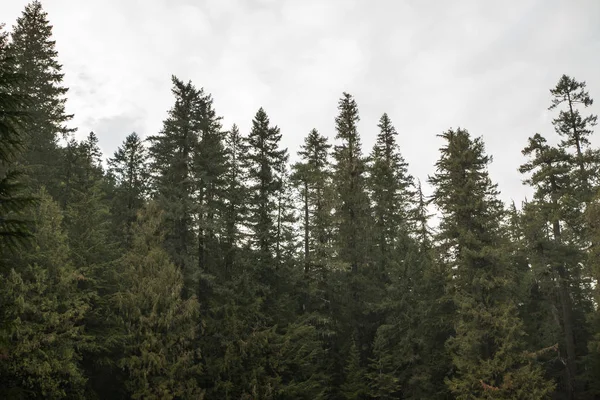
201,263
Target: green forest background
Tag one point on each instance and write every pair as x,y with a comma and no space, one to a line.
200,263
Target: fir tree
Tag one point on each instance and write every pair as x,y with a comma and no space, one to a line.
172,152
210,168
552,244
234,197
349,173
13,115
33,49
128,169
41,316
575,130
487,347
264,160
157,325
390,185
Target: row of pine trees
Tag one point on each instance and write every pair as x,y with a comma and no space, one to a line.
200,263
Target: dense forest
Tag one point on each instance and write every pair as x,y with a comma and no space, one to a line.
200,263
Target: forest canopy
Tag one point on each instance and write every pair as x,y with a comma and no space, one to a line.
199,262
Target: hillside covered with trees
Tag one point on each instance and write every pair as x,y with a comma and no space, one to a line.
200,263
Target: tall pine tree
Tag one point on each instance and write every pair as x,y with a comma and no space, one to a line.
487,346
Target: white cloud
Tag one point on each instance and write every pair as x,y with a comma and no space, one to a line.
430,65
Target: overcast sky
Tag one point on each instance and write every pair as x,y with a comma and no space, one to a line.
486,66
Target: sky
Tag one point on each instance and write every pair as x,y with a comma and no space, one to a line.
432,65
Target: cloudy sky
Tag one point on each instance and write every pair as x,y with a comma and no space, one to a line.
486,66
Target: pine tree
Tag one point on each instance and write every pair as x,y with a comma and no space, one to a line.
210,168
172,152
128,169
554,250
234,198
157,325
576,130
349,173
487,347
355,385
87,213
13,115
265,163
35,58
264,160
312,177
390,185
41,315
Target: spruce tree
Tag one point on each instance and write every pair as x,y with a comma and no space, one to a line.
172,153
13,116
35,55
128,168
487,346
390,187
349,173
41,316
209,174
575,130
352,236
234,198
555,246
156,323
312,177
264,160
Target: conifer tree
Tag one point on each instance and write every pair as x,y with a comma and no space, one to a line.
33,49
264,160
129,170
389,184
349,173
87,215
234,198
312,177
355,384
555,253
13,115
41,315
210,168
575,130
157,325
172,152
487,346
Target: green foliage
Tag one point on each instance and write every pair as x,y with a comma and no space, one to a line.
487,346
35,56
156,324
128,169
355,383
41,316
206,266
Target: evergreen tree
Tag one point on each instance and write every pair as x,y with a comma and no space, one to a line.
349,173
390,185
575,131
234,198
157,325
33,50
172,152
554,245
13,114
487,347
210,168
128,169
312,177
264,160
41,315
87,214
355,384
